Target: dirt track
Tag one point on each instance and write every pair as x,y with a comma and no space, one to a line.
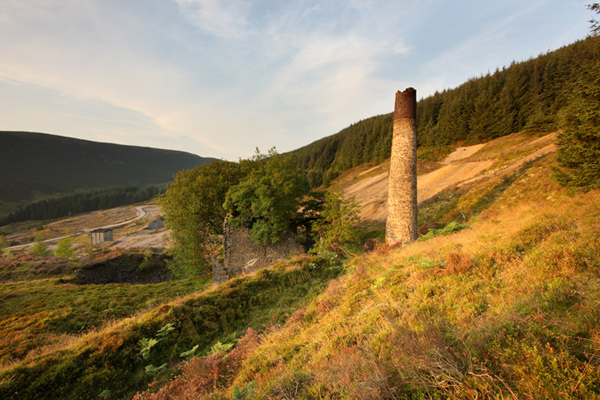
128,223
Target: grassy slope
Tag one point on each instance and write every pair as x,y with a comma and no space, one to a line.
48,353
506,308
34,165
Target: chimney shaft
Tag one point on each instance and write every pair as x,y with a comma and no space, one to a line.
401,226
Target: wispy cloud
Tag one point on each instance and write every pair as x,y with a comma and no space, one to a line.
221,77
222,18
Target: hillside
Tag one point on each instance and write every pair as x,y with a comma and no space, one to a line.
498,300
465,166
501,303
527,96
38,165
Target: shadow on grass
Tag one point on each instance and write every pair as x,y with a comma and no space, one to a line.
445,207
488,199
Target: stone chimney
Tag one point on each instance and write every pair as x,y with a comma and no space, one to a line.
401,226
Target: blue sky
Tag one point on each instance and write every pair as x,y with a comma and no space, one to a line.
222,77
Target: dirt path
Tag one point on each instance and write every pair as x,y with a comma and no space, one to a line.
461,153
118,213
141,214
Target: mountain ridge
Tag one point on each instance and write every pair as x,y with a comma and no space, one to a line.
35,165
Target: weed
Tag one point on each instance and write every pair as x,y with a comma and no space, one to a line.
446,230
425,263
188,355
165,330
241,393
149,261
220,348
152,370
145,345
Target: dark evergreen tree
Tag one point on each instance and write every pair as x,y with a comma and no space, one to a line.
579,142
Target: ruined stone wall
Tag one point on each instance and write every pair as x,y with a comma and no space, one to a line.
219,272
242,256
401,226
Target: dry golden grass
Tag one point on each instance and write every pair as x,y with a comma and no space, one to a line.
503,309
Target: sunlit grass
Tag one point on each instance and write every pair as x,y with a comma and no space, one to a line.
44,310
506,308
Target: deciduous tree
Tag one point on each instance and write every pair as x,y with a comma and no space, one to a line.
335,230
193,210
267,201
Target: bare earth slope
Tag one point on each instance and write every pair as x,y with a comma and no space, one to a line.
464,165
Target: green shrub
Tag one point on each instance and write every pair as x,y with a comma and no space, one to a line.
446,230
149,261
39,249
64,249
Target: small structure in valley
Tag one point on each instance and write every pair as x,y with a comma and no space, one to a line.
401,225
101,235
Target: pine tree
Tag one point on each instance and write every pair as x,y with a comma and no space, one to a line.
595,28
64,248
579,141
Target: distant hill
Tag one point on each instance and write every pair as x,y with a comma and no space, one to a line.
34,166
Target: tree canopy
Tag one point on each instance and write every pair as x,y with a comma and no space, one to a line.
193,210
579,139
262,193
267,200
